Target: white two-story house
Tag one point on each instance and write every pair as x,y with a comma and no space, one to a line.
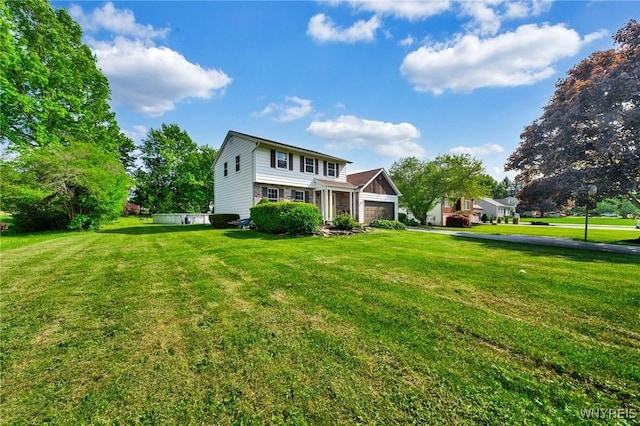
249,168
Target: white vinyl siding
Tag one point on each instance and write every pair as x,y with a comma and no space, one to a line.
293,177
234,193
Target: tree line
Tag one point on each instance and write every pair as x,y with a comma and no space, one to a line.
67,164
65,161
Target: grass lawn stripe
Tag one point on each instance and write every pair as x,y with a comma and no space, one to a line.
148,324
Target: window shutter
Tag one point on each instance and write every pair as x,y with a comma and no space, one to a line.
273,158
293,195
280,194
290,161
317,169
337,170
306,196
325,167
302,164
264,192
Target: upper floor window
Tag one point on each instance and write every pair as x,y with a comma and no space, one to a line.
282,160
309,165
226,168
331,169
237,163
445,202
467,204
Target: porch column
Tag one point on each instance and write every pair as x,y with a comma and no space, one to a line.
323,203
351,204
330,204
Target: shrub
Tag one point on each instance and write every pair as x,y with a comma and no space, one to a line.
269,216
131,209
484,218
221,220
303,218
80,222
458,221
345,222
403,218
387,224
506,219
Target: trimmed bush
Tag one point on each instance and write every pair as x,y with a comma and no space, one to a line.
221,220
81,222
458,221
484,218
345,222
269,216
387,224
131,209
303,219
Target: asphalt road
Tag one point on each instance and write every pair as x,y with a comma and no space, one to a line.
544,241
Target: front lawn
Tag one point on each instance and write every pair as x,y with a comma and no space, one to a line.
594,234
156,324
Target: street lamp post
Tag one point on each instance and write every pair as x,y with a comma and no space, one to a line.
587,191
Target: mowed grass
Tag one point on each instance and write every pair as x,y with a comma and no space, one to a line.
150,324
594,234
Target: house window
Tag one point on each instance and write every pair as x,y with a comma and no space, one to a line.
272,194
331,169
281,160
309,165
299,196
226,168
445,202
237,163
467,204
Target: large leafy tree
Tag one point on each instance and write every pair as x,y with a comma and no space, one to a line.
176,174
589,132
50,187
51,90
424,183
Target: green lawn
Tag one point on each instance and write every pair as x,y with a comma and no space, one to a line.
594,234
579,220
151,324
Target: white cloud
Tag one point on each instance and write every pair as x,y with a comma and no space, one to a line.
524,56
136,134
407,41
405,9
388,139
143,77
323,29
292,109
487,15
478,151
117,21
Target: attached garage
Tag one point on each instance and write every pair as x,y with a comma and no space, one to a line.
378,210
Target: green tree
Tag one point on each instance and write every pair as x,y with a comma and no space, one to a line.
176,174
589,132
51,90
424,183
50,187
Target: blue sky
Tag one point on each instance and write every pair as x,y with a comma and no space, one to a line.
368,81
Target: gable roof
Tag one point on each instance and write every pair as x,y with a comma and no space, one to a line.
262,141
362,179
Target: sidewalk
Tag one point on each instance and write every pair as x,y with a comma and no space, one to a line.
544,241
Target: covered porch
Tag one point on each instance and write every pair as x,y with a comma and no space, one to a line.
334,198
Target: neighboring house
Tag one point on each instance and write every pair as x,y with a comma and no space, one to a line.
499,208
446,207
249,168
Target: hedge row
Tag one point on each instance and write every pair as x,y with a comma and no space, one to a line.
387,224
